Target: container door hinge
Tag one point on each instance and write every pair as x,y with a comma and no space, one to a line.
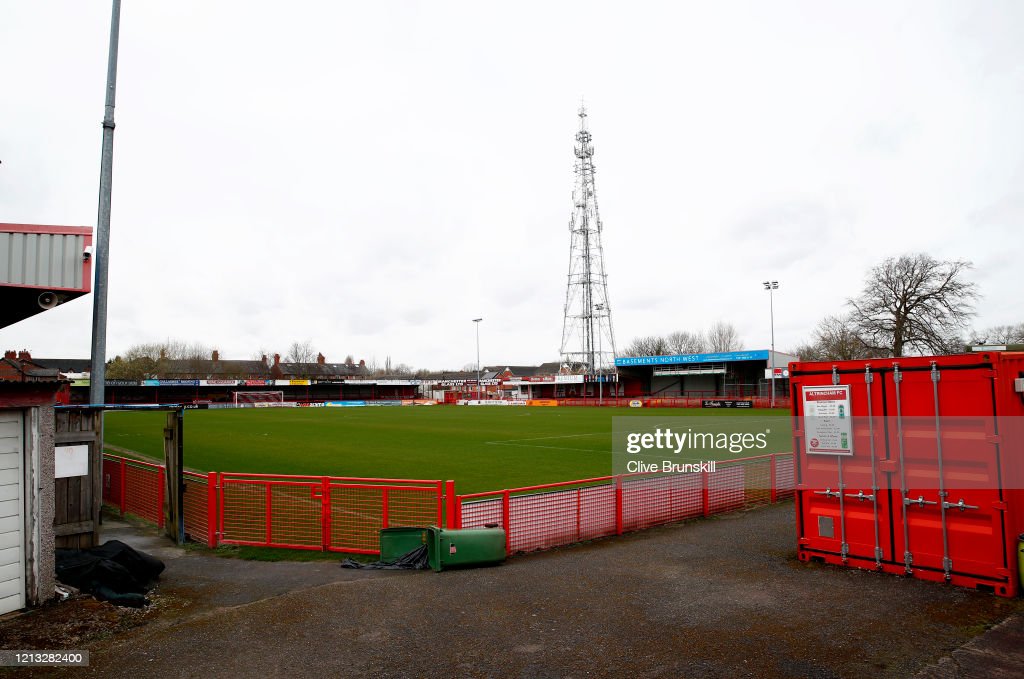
887,466
805,541
994,439
999,506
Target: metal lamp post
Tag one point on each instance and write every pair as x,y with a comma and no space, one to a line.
771,286
477,322
600,364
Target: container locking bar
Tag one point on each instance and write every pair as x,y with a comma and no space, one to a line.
947,563
869,380
908,557
958,505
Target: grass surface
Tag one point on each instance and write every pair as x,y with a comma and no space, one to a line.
481,448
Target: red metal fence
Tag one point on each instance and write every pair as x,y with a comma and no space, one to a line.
297,512
670,401
550,515
346,514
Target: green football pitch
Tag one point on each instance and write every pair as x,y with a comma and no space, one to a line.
481,448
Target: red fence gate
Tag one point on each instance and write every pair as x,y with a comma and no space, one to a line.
296,512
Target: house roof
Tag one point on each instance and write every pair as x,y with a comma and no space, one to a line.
66,365
21,368
322,370
225,368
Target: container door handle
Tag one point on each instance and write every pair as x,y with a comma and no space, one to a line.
859,495
920,501
828,492
958,505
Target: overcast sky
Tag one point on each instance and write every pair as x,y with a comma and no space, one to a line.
372,176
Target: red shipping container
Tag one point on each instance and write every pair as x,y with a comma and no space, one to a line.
912,465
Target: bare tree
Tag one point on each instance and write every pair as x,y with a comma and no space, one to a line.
914,303
651,345
809,351
1000,334
301,352
685,342
723,337
835,339
152,359
349,360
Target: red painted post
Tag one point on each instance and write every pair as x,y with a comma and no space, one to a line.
618,504
384,500
506,513
124,485
772,477
450,502
441,519
458,511
220,505
325,512
211,510
268,516
160,497
705,495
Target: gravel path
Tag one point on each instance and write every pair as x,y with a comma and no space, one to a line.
722,597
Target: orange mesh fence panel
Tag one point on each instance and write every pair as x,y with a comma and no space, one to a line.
195,507
243,507
413,507
113,471
143,490
357,515
652,501
359,511
296,515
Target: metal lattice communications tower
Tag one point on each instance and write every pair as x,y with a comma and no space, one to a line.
588,341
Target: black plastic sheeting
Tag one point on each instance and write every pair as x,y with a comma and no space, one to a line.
414,560
112,572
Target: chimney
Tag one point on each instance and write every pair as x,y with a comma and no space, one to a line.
10,354
362,363
321,359
277,359
216,355
24,356
263,359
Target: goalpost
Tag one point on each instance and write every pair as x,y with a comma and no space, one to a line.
259,399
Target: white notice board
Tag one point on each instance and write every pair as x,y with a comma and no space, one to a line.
71,461
828,427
